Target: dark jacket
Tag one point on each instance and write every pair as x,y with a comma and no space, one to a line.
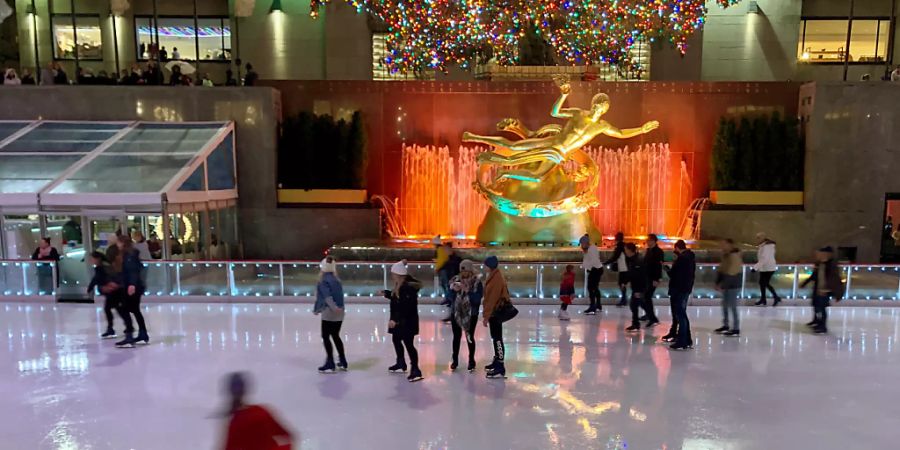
405,307
103,275
613,261
54,255
835,287
637,274
653,261
60,77
451,267
131,270
681,275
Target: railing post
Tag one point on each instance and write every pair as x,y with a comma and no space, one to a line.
743,280
178,279
584,286
55,268
438,289
384,272
897,296
847,286
25,279
539,288
281,277
796,282
232,289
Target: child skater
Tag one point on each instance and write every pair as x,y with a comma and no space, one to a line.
566,291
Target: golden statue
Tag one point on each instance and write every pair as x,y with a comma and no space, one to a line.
544,174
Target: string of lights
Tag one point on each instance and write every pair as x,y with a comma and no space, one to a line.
435,34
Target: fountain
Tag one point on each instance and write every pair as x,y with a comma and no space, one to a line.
641,191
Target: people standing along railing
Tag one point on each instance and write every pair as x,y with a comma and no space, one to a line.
539,282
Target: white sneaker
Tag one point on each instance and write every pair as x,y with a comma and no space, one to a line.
564,315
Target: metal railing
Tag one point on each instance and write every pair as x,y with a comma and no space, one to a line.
288,279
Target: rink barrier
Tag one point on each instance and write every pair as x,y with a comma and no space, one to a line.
535,281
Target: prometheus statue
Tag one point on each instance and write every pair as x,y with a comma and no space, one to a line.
544,173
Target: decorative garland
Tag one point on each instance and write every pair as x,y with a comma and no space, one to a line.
435,34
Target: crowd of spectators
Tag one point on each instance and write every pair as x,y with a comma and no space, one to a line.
151,74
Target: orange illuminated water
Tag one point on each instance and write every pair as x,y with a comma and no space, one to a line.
641,191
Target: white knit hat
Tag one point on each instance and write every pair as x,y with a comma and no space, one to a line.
328,266
399,268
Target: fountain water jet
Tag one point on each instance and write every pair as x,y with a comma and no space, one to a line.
641,191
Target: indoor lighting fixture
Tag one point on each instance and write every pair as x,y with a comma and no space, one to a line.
276,6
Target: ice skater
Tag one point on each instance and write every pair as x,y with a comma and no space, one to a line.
619,264
766,266
128,266
728,282
827,285
594,267
104,281
566,291
404,322
251,426
497,309
466,292
330,304
653,262
681,284
637,276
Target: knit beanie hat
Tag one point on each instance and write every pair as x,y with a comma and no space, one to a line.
328,265
492,262
585,241
399,268
467,265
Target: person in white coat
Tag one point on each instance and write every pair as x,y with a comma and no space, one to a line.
766,266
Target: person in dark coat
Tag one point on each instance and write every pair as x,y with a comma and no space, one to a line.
653,263
128,266
46,254
59,75
827,284
681,284
404,322
619,264
104,280
637,272
251,77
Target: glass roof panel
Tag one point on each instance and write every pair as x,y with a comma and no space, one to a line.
64,137
30,173
8,128
123,173
165,138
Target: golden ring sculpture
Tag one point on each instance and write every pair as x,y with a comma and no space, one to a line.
526,176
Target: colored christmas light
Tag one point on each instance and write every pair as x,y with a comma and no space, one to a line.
435,34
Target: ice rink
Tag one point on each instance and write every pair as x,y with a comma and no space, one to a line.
581,385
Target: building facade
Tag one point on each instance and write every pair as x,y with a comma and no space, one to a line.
761,40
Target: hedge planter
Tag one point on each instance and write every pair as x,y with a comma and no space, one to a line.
322,196
757,198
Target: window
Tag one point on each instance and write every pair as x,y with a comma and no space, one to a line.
86,34
178,38
824,41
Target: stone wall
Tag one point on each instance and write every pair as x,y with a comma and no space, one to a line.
852,156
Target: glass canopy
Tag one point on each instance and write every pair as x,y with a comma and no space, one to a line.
48,165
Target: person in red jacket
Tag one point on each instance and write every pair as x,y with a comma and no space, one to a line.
566,292
252,427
